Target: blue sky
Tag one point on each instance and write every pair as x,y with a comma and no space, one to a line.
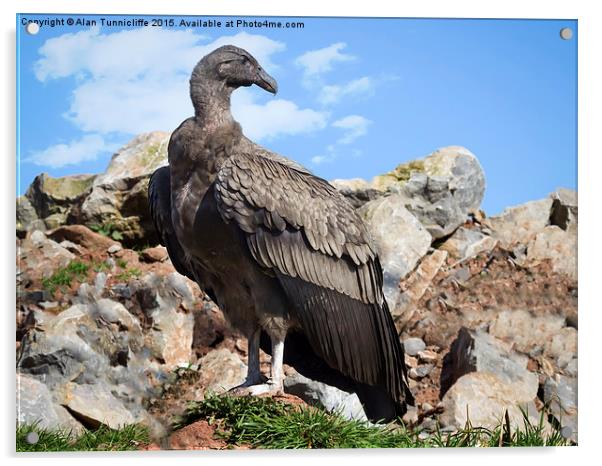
356,96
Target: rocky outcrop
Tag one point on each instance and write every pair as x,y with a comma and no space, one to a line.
49,201
119,195
486,307
114,201
440,190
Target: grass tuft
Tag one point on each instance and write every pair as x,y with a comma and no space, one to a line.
63,276
266,423
126,274
128,438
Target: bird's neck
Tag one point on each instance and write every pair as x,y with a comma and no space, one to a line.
211,103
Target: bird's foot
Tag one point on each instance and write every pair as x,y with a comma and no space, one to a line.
269,388
252,380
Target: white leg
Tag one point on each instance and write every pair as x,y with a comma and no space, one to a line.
277,375
275,384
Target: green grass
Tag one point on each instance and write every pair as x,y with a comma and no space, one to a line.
78,270
63,276
268,424
126,274
107,229
265,423
103,439
101,266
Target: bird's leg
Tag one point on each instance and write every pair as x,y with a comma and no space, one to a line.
254,375
277,374
275,384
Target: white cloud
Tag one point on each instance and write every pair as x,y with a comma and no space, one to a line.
274,118
320,159
87,148
133,54
330,94
354,126
320,61
135,81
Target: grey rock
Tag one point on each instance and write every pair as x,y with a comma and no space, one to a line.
96,405
483,398
357,191
48,305
98,344
171,335
38,252
562,346
36,405
526,330
182,286
38,238
557,245
100,282
400,238
420,371
476,351
115,248
119,195
571,368
221,370
412,346
440,190
560,394
325,396
27,217
519,224
53,199
564,209
71,247
466,243
122,290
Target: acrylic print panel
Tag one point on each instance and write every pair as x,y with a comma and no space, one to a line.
188,279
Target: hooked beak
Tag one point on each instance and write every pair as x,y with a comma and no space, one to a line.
265,81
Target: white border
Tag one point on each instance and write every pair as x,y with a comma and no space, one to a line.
590,128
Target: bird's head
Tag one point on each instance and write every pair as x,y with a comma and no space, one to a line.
232,67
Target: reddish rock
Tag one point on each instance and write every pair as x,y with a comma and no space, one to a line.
156,254
81,235
196,436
